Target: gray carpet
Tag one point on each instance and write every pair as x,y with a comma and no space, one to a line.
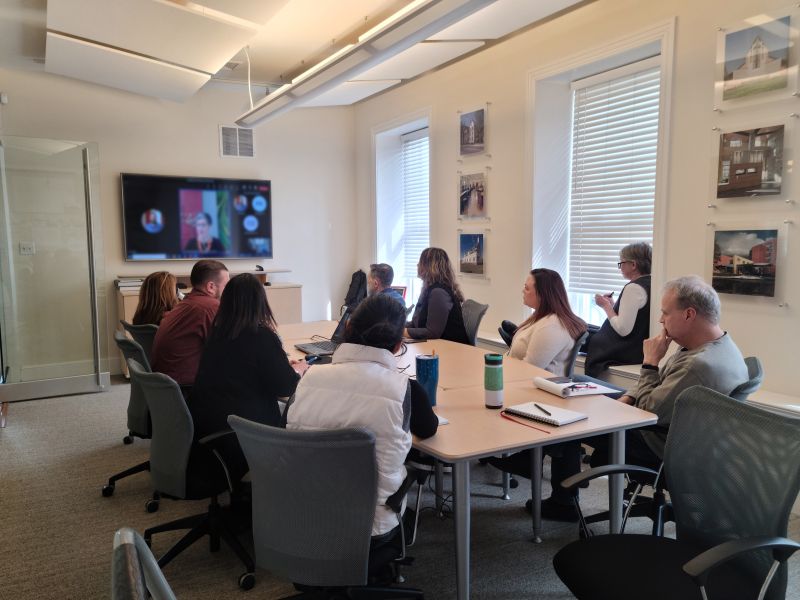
56,530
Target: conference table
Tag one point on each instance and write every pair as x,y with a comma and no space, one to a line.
475,432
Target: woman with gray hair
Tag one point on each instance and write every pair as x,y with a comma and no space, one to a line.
619,340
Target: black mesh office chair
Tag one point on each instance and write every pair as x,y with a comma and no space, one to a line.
143,334
135,574
314,496
733,477
178,471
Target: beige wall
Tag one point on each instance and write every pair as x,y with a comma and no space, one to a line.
308,155
500,76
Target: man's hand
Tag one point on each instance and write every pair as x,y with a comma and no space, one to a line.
655,348
627,399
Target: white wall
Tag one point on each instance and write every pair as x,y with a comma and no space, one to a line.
308,155
500,76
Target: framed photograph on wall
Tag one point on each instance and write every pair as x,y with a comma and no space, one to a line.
746,260
757,59
751,162
472,191
472,132
472,253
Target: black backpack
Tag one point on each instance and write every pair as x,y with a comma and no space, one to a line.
356,292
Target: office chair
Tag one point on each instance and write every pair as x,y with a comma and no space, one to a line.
138,416
143,334
473,314
314,496
507,330
733,477
755,372
135,574
177,472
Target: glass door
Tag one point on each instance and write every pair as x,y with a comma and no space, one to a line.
52,315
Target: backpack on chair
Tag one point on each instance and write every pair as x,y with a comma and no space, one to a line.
356,292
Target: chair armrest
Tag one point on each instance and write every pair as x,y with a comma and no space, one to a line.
210,441
699,567
211,438
395,501
572,482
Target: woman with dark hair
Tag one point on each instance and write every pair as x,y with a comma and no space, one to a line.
438,312
546,338
243,370
620,338
363,388
158,294
203,242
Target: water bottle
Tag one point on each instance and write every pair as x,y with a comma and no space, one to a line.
493,380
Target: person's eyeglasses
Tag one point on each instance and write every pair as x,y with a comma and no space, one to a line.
581,386
622,262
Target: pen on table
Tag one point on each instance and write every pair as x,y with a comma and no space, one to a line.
547,412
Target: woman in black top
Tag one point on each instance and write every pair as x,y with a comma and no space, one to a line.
438,312
243,370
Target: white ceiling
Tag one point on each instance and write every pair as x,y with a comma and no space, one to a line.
171,48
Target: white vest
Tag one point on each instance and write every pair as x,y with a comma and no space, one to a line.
361,388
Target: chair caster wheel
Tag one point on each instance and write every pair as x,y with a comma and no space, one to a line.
151,506
513,484
247,581
108,491
127,440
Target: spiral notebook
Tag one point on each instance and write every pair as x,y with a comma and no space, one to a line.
536,411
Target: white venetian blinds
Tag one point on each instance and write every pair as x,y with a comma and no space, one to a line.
614,141
416,200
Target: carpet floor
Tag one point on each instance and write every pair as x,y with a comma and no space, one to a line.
56,529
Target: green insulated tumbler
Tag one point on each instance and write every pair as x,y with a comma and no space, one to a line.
493,380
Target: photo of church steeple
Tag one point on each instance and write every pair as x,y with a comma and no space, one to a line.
756,59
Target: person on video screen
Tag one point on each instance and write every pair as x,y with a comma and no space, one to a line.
204,242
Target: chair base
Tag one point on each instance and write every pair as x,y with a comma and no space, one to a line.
355,593
108,489
214,524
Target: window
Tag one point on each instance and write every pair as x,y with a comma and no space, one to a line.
403,201
612,178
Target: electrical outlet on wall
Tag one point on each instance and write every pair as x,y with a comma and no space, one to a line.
27,248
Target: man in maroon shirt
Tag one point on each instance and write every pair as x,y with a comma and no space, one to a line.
182,334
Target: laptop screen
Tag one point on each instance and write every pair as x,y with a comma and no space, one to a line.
338,334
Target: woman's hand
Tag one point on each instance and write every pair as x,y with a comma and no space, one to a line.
604,301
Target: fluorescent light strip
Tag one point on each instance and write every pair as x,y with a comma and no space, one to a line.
322,64
408,8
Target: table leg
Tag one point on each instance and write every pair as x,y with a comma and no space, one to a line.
3,413
506,483
438,478
616,482
461,502
536,492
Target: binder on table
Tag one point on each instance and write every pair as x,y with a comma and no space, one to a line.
561,386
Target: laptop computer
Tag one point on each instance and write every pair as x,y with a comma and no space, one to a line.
327,347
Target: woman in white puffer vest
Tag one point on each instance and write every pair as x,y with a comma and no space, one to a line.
363,388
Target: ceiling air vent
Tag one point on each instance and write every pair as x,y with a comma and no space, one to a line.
236,141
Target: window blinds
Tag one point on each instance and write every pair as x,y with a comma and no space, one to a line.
614,143
416,192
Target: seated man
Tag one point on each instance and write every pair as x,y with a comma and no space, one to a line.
379,281
182,335
690,313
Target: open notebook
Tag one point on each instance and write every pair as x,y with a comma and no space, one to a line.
536,411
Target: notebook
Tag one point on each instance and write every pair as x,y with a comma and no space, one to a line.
566,388
536,411
327,347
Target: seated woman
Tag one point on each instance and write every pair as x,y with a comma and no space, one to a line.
204,243
363,388
243,370
546,338
158,294
620,338
438,312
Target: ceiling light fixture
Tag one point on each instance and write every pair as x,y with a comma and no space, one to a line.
414,23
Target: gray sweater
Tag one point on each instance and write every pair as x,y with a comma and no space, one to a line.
717,365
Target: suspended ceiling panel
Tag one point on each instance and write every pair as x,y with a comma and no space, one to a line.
161,30
106,66
350,92
256,11
502,18
418,59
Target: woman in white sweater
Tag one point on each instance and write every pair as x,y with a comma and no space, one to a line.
546,338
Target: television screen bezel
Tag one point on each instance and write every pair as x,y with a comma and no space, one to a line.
190,258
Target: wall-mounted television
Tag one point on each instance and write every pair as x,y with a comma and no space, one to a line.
169,218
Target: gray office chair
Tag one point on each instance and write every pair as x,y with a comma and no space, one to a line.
569,366
176,473
733,477
135,574
755,372
138,415
473,314
314,495
143,334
